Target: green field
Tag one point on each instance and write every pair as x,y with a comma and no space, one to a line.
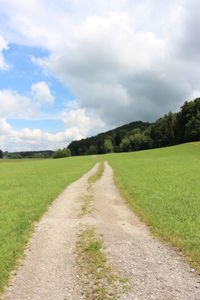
27,187
163,187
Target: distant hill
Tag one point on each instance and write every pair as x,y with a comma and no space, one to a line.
29,154
171,129
105,142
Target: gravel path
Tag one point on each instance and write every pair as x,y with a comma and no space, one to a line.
48,271
154,270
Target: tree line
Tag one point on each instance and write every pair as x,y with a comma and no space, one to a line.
59,153
171,129
26,154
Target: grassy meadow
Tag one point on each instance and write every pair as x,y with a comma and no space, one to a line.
27,187
163,187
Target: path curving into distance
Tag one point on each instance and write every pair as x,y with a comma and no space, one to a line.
49,271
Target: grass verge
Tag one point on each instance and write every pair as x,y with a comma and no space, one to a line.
27,189
162,187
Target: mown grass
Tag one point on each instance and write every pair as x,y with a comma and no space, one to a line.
26,190
163,187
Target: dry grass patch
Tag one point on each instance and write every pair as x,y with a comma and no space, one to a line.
94,178
99,281
87,199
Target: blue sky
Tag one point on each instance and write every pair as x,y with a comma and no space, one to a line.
47,120
70,70
21,74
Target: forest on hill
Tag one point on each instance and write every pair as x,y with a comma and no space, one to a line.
171,129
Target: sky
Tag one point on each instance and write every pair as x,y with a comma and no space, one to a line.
73,68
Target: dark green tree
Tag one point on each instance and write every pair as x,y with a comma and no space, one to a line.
108,146
140,141
93,149
125,145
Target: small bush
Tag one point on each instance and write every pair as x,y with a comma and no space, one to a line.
62,153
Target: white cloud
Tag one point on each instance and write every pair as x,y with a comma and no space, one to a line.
78,124
124,68
114,71
12,104
123,60
35,22
95,49
41,93
4,127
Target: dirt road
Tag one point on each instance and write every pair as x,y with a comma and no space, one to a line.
49,271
